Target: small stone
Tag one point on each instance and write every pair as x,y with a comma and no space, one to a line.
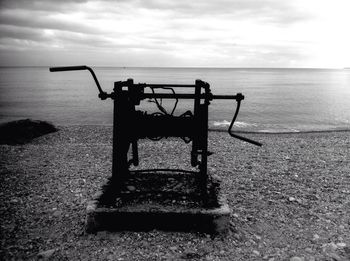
308,249
57,213
341,244
256,252
316,237
173,248
131,188
257,237
291,199
296,258
46,254
235,215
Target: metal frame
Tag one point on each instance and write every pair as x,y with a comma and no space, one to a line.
130,125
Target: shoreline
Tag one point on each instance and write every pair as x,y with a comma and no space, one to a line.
225,130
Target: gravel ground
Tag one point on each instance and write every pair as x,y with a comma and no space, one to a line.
290,199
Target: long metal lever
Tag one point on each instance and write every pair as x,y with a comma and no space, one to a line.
102,95
233,121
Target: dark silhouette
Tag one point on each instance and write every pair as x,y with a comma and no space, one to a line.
130,125
23,131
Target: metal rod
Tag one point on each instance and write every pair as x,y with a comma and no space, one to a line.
78,68
169,85
227,97
187,96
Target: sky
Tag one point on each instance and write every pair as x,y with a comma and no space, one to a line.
176,33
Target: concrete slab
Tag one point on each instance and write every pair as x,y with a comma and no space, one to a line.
165,201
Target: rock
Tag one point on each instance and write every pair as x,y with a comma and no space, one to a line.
256,252
131,188
57,213
173,248
341,244
291,199
235,215
296,258
257,237
23,131
46,254
316,237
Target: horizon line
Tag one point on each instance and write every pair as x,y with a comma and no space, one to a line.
179,67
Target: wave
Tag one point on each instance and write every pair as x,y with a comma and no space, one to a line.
239,124
281,132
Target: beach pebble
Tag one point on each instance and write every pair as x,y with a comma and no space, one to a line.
131,188
256,252
57,213
46,254
308,249
296,258
341,244
257,237
316,237
173,248
291,199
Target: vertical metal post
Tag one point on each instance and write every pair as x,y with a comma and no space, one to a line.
200,143
204,127
196,118
121,140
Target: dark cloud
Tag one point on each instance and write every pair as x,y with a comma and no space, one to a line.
43,20
43,5
13,32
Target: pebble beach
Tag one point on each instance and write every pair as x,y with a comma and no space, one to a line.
290,199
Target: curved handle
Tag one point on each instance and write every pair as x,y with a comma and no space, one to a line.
239,98
102,95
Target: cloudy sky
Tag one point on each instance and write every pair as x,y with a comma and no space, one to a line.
176,33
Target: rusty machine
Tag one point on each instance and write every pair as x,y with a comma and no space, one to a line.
131,124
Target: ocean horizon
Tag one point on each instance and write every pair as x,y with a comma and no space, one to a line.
276,99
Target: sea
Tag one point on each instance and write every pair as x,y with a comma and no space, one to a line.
276,100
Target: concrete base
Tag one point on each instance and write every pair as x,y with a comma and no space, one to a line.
158,201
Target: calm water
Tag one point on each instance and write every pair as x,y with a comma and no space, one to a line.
277,100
